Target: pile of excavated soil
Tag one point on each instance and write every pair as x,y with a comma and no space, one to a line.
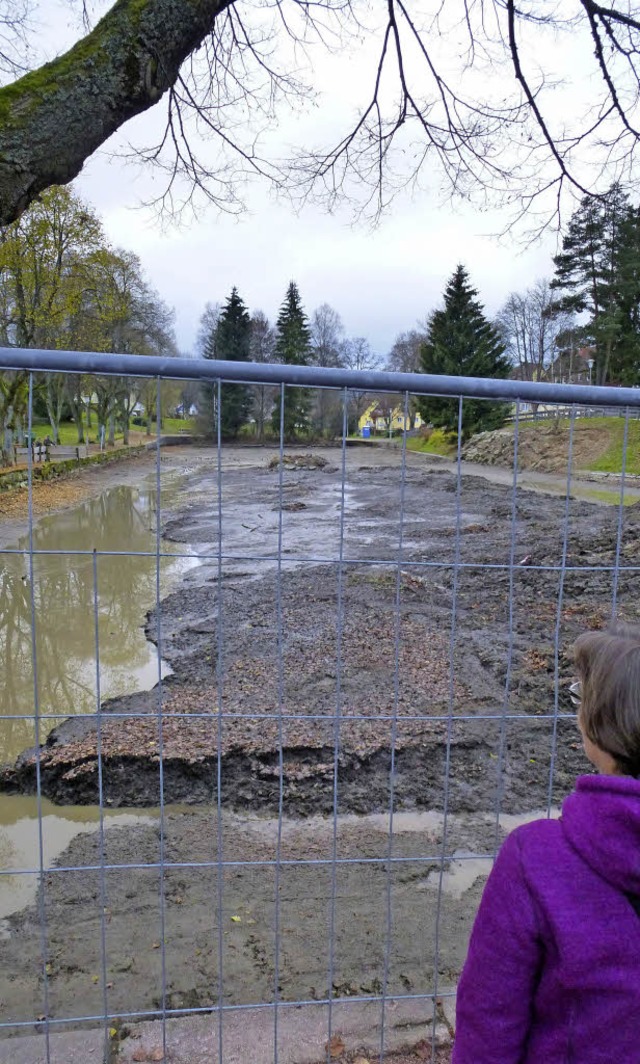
298,461
541,447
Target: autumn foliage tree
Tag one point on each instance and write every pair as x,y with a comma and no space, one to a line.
63,286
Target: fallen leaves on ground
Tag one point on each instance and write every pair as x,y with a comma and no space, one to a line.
47,496
335,1046
190,731
407,1056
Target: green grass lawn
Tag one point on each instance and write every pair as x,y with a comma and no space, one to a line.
611,460
607,461
178,424
68,433
437,443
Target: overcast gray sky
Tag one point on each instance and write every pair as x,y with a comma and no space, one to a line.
381,281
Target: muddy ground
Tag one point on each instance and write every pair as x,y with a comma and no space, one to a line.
368,892
224,631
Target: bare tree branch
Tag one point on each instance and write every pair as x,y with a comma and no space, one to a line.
488,127
53,118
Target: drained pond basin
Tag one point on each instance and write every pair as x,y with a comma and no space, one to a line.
258,634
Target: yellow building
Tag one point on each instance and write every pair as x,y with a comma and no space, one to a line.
376,419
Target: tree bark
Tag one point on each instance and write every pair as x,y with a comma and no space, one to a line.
54,397
54,118
76,405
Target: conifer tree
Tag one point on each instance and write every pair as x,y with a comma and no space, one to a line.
597,276
228,339
233,344
293,347
462,342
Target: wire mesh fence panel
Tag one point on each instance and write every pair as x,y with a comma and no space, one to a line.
270,704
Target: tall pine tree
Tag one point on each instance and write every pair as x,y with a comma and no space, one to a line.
293,347
627,368
461,342
597,276
229,340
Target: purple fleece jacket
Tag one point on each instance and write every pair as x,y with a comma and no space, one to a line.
553,971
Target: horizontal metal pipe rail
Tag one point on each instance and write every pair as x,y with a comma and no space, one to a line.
314,377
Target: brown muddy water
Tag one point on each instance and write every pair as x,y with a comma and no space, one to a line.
121,519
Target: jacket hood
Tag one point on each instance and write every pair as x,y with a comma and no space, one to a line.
601,821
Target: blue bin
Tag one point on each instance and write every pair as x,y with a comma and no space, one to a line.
366,432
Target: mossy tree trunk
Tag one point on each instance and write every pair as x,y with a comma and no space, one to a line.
54,118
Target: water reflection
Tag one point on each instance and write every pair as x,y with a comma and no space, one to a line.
120,519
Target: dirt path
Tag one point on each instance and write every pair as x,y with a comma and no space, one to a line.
51,496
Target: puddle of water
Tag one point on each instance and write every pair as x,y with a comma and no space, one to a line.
420,822
459,877
122,518
19,842
510,821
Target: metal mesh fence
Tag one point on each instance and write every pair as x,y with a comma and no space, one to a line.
374,695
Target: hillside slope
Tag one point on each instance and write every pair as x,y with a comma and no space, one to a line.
598,445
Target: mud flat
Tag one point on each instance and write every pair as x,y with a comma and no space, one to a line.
257,633
225,628
191,915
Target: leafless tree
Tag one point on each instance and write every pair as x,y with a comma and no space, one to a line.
530,330
263,343
327,331
356,354
404,356
207,328
464,93
15,26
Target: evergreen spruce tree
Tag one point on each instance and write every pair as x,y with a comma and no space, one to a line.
597,276
461,342
626,367
228,340
233,344
293,347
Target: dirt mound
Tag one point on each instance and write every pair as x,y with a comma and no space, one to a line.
541,447
299,461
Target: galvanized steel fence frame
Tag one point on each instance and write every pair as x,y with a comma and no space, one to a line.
572,397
